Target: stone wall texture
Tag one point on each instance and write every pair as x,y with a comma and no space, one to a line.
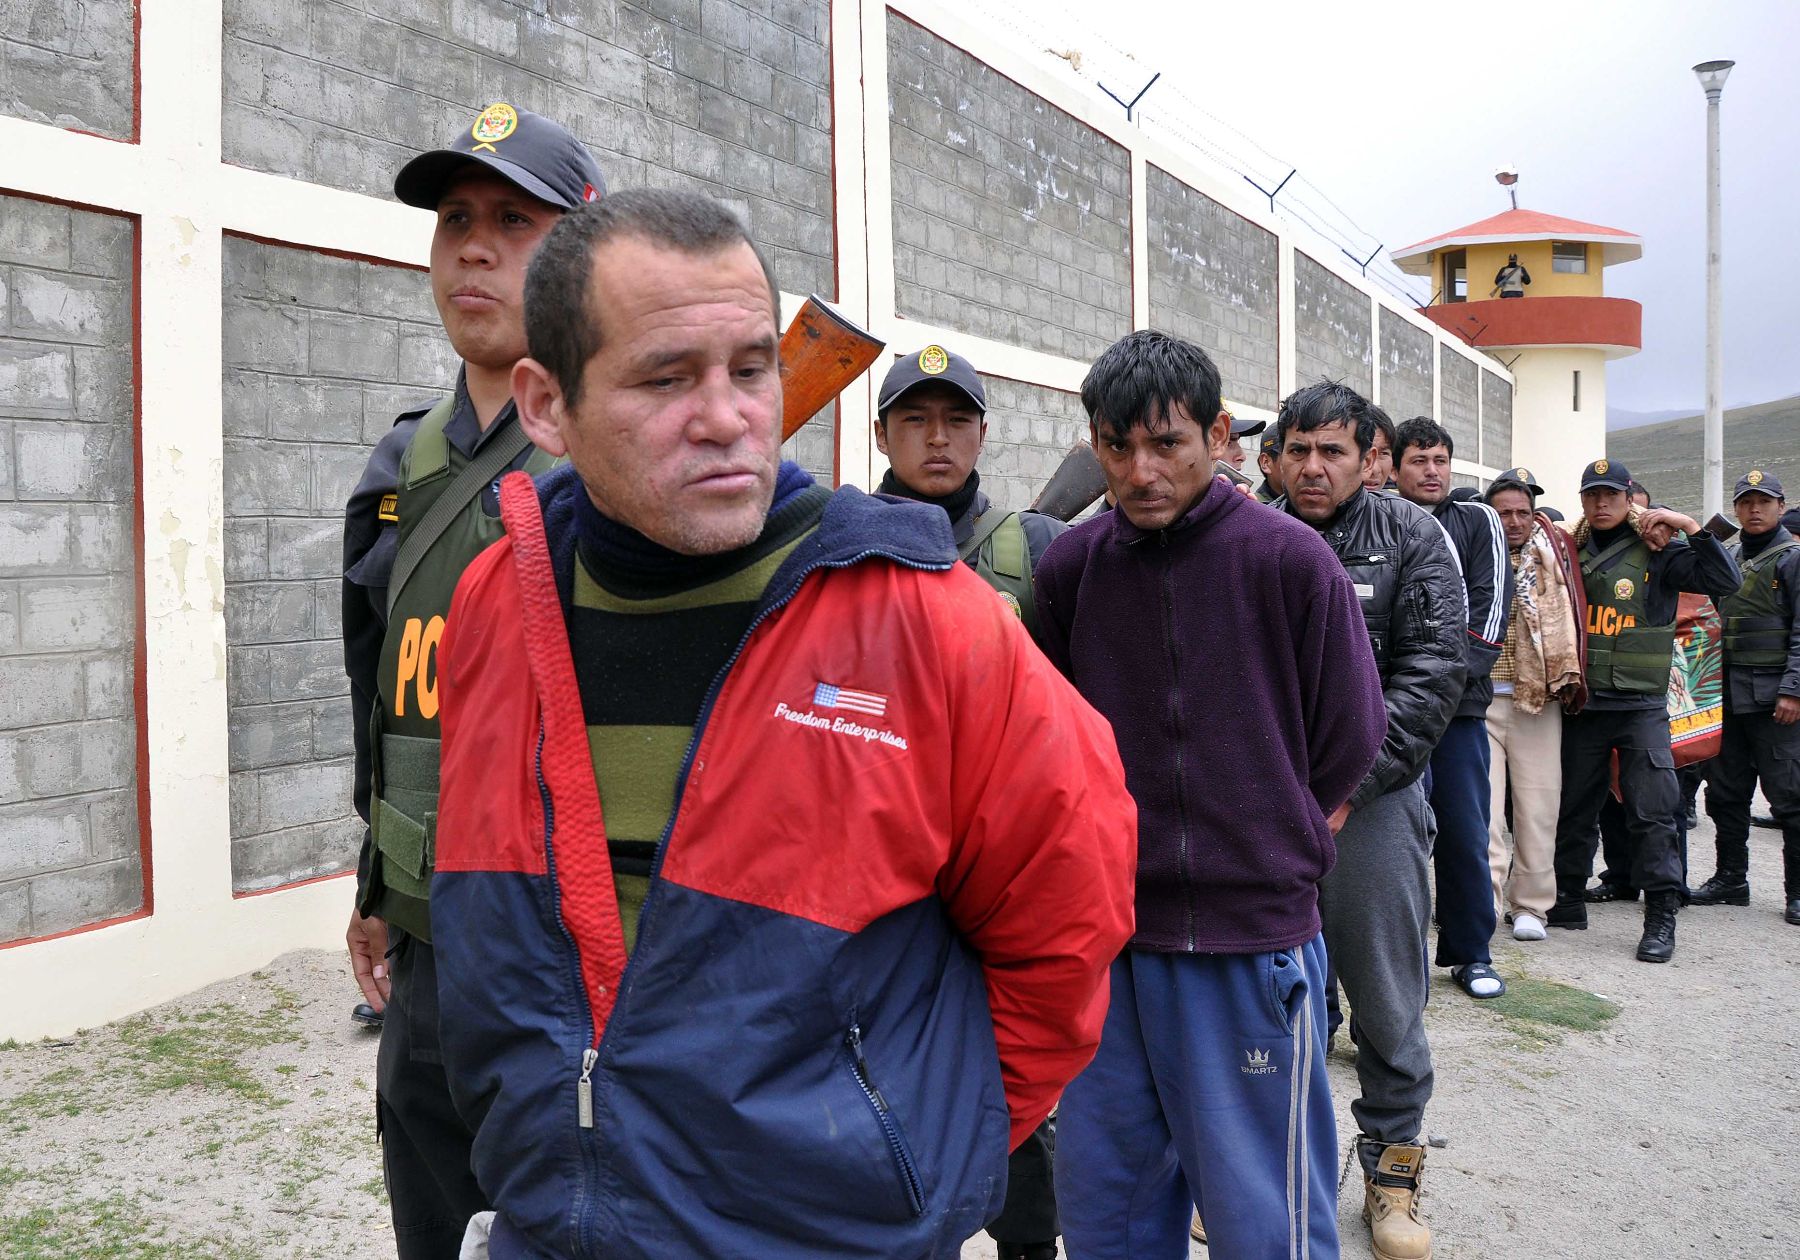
69,838
1332,338
1012,220
1406,368
1030,429
321,354
1458,380
69,63
1496,421
1214,281
731,98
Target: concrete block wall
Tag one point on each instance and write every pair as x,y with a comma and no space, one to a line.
1030,429
69,64
1332,338
1496,421
1407,358
1459,381
1012,219
69,826
732,98
321,353
1214,279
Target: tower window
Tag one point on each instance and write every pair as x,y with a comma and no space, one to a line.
1569,257
1456,275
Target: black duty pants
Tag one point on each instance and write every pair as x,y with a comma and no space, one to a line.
425,1145
1755,747
1646,781
1030,1212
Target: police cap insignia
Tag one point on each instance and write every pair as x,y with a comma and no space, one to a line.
1600,465
495,123
1755,477
1522,473
934,360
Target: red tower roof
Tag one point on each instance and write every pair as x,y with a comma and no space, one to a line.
1523,225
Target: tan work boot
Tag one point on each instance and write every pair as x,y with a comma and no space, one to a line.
1197,1230
1391,1205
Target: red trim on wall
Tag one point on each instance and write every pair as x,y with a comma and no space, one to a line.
303,248
133,917
137,71
297,883
1542,321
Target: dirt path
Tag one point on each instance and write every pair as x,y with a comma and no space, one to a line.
238,1122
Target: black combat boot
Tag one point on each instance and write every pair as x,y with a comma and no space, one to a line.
1570,911
1793,909
1658,943
1723,889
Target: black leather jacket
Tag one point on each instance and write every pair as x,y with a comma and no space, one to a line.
1411,593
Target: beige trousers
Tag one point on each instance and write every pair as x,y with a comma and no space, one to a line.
1527,748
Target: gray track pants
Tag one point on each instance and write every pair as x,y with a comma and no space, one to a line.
1376,905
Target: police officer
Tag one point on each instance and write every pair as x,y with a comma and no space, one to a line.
1633,567
1234,452
1268,459
425,507
1762,697
931,420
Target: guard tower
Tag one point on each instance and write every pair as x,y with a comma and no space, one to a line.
1556,338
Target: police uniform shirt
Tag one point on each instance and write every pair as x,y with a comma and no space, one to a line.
371,540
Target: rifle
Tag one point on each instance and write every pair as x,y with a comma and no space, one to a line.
1076,483
822,352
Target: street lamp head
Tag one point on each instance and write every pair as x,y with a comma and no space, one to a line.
1712,75
1506,176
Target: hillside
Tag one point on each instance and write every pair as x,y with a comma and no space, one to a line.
1669,457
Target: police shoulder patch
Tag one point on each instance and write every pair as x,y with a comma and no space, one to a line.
1012,602
388,509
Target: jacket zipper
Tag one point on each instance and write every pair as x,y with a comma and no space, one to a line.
915,1192
1187,882
585,1226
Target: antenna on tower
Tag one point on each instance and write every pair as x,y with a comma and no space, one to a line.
1507,177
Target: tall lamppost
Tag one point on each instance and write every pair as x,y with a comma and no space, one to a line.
1712,75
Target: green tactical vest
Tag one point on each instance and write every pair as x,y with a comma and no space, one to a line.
1756,620
404,733
1625,651
998,553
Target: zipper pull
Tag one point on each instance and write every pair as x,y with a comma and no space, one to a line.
862,1066
584,1089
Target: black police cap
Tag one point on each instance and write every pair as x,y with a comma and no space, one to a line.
529,150
1606,473
933,363
1247,428
1515,479
1756,481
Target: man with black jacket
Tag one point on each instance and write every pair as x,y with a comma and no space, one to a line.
1762,697
1376,902
1634,567
1458,782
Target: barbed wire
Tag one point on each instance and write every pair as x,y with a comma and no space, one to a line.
1080,50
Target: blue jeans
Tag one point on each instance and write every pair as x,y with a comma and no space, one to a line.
1460,797
1209,1087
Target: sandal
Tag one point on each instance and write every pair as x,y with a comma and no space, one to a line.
1478,980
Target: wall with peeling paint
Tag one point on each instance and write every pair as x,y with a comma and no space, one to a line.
1332,335
68,607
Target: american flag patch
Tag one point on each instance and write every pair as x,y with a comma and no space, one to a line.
827,696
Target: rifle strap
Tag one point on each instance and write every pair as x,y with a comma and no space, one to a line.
495,458
985,526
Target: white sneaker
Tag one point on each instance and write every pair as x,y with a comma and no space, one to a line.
1528,927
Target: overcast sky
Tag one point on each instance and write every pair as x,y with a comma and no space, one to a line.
1401,111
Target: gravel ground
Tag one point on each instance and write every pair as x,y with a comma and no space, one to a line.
238,1122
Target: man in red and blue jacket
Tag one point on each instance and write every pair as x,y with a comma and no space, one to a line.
778,873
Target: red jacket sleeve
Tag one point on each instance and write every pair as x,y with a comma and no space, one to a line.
1041,877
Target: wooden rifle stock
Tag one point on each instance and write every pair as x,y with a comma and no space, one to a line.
1075,484
821,353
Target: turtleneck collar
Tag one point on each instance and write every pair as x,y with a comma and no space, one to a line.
955,504
1604,538
627,563
1756,544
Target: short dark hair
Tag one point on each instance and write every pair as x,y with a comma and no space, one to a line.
1143,376
1638,487
1385,427
1423,433
562,329
1325,403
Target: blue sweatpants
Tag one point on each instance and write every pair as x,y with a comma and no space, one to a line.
1209,1088
1460,798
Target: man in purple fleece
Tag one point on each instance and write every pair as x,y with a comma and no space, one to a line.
1222,640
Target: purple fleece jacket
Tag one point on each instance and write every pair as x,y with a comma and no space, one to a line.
1230,655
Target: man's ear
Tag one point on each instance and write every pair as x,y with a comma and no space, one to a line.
539,399
1218,434
880,427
